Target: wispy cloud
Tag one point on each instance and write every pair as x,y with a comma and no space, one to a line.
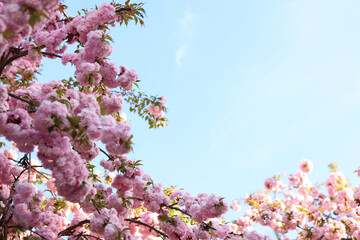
180,53
186,22
185,33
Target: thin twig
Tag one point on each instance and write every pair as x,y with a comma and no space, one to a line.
86,235
42,237
147,225
41,173
71,228
29,173
124,9
107,154
51,54
178,209
24,100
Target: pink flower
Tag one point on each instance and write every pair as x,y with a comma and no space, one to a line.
155,110
306,166
270,184
11,154
163,101
235,206
112,104
127,77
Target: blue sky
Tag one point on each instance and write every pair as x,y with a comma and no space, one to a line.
253,87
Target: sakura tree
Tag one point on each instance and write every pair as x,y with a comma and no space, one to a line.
50,187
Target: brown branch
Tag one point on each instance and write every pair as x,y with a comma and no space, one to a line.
41,173
70,229
5,60
146,225
29,167
124,10
51,54
8,61
24,100
112,159
86,235
93,201
178,209
42,237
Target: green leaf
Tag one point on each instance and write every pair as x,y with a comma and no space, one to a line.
70,119
50,129
73,134
32,19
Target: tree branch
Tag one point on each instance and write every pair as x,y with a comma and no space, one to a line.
8,61
51,54
24,100
112,159
147,225
70,229
178,209
5,61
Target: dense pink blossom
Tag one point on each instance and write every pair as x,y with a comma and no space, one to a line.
126,77
112,104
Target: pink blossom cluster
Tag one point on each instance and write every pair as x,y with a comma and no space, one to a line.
202,207
81,26
7,170
112,104
302,207
4,105
16,126
26,211
92,67
106,223
23,66
15,18
156,109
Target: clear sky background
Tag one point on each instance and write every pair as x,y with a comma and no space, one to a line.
253,87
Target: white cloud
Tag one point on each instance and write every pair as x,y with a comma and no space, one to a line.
180,53
184,34
186,23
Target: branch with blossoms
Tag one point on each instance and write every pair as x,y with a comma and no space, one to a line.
24,100
17,53
148,226
4,213
302,206
149,108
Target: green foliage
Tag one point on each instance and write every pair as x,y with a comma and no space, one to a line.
59,204
92,175
23,78
130,11
57,124
139,104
